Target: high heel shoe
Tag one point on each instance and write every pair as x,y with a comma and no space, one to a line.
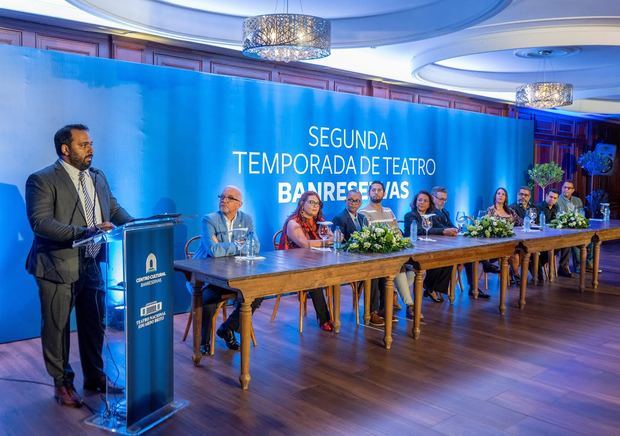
434,295
327,326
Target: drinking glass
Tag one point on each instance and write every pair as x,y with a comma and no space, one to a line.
239,237
324,232
533,213
461,218
427,223
482,213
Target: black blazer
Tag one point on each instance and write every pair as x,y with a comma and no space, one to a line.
440,221
344,221
57,218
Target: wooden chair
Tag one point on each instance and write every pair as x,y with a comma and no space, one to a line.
221,305
301,295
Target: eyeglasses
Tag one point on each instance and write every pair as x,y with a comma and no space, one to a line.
354,200
440,198
313,203
227,198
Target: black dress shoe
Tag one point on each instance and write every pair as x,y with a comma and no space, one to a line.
103,385
565,272
434,295
205,349
481,294
229,337
66,396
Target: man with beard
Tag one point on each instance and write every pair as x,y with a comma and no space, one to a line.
66,201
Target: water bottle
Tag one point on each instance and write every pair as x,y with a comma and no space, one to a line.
413,231
527,223
543,220
338,237
251,244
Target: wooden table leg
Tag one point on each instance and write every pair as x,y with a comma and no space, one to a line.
582,267
197,322
525,263
474,278
596,258
535,268
551,255
246,328
367,291
503,285
336,305
452,284
417,295
389,311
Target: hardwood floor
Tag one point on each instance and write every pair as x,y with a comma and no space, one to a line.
552,368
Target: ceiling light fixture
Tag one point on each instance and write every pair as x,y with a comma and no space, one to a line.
544,95
284,37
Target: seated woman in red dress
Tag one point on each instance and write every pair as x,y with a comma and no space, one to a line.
301,231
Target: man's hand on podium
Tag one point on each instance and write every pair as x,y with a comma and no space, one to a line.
104,227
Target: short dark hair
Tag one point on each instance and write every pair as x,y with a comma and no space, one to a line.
437,189
527,188
376,182
431,205
63,135
568,181
555,191
353,191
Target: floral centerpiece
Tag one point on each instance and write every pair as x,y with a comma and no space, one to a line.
570,220
490,227
377,239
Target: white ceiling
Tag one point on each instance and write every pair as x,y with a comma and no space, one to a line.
479,47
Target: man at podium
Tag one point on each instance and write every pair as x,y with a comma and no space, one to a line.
65,201
219,230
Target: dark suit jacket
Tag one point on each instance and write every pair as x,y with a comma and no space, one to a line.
344,221
57,219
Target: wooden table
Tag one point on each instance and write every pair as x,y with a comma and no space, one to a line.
281,272
295,270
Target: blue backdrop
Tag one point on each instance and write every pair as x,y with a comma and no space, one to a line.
169,140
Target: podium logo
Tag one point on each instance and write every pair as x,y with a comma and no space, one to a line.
151,313
151,263
151,308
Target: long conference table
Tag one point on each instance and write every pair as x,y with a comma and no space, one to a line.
296,270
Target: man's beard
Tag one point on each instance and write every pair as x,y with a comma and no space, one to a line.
78,163
376,200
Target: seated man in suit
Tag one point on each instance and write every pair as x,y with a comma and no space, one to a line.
349,220
217,241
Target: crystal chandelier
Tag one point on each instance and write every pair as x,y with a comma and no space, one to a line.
284,37
544,95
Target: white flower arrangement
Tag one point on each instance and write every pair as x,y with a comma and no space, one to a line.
490,227
377,239
570,220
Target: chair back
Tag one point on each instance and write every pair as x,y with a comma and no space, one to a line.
276,239
189,249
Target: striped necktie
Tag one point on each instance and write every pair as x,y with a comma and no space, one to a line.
89,211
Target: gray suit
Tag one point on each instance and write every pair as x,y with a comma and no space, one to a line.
64,275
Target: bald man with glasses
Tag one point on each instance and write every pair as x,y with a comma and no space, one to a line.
217,241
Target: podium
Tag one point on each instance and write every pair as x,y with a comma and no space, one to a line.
138,341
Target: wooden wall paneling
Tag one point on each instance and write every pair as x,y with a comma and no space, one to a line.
499,111
565,155
435,100
85,47
10,36
187,61
358,87
131,51
543,125
303,79
565,128
250,71
470,106
582,130
379,89
403,95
